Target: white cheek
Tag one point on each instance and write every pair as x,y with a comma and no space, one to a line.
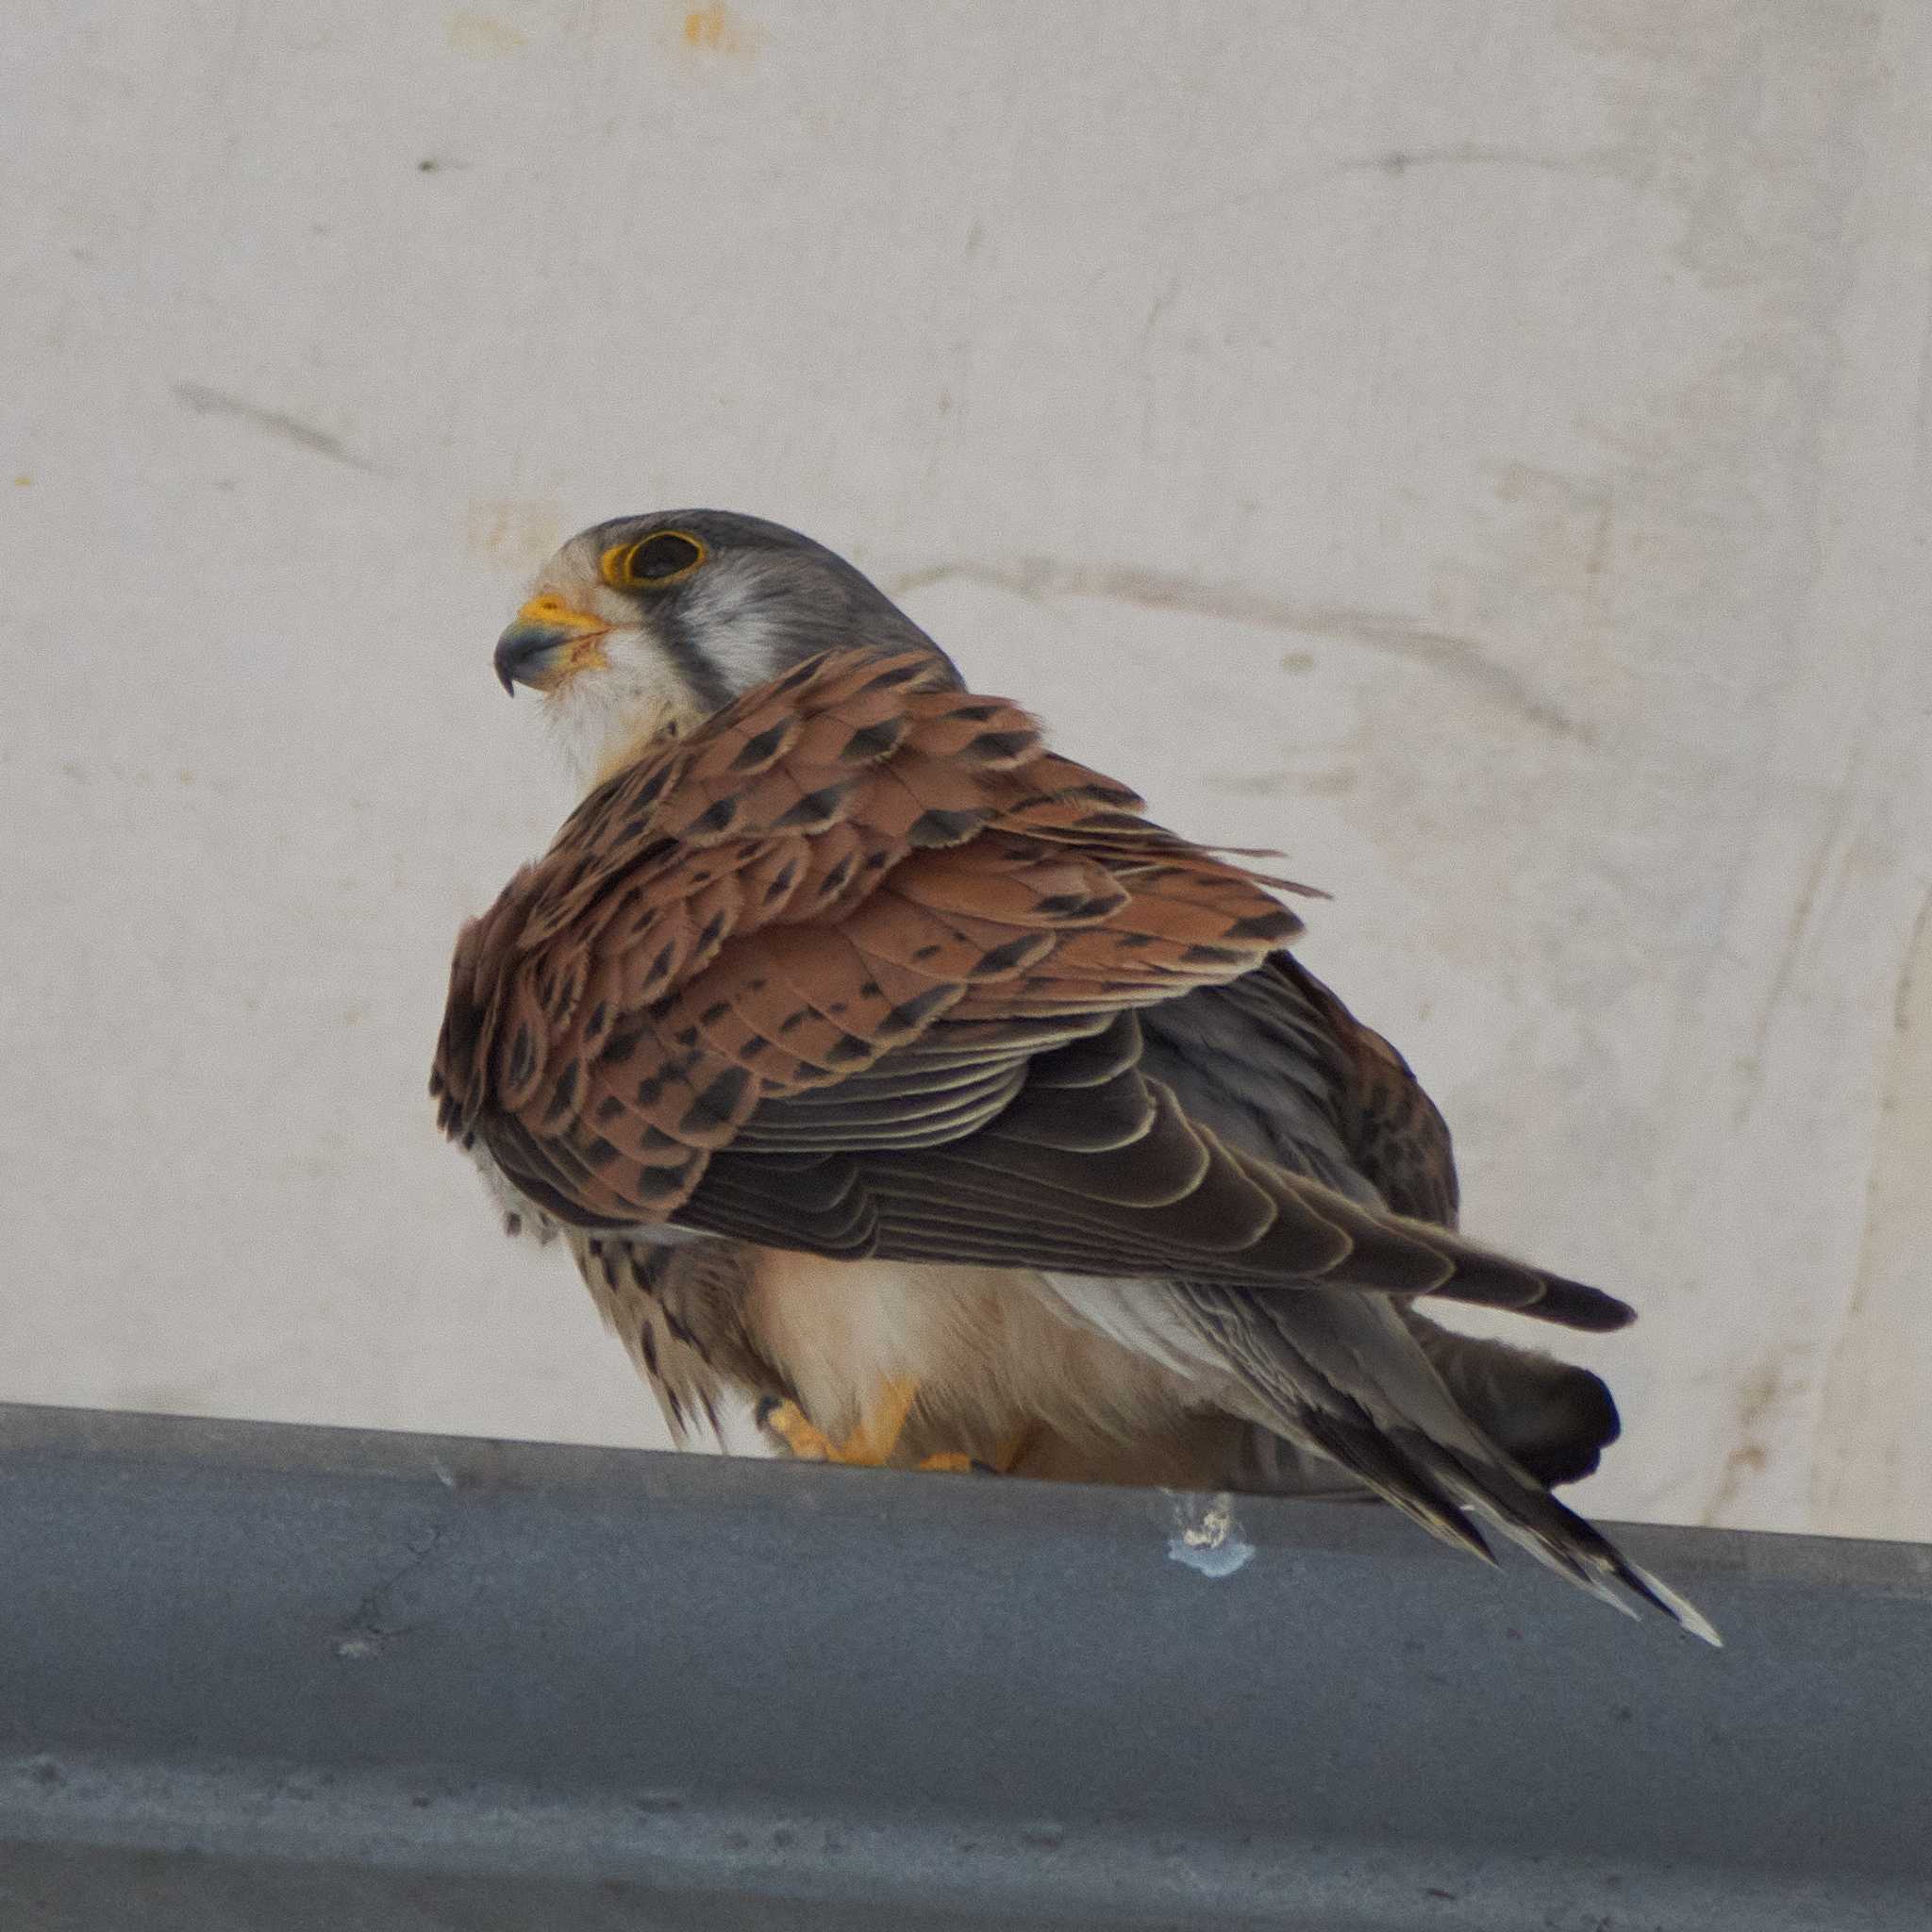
746,651
741,637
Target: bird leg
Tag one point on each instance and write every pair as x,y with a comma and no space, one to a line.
872,1441
1010,1451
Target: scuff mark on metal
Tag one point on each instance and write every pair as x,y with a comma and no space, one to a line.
367,1632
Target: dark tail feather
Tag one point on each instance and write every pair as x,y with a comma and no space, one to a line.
1526,1512
1552,1417
1348,1375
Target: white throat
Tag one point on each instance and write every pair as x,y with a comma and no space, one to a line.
602,720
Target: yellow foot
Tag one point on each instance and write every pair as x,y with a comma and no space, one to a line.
787,1421
869,1445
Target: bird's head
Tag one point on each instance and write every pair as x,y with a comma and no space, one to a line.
642,627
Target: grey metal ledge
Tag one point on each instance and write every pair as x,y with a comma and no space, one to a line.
293,1678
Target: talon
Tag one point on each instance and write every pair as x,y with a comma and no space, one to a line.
787,1422
869,1445
875,1440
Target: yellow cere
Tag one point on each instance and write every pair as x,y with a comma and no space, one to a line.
555,614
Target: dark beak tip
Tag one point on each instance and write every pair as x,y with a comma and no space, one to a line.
523,648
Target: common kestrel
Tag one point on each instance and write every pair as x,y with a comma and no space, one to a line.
887,1069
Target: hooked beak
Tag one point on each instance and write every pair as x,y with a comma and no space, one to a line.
548,642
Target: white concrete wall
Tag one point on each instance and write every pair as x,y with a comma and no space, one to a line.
1479,448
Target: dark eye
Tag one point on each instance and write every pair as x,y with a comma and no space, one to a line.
654,559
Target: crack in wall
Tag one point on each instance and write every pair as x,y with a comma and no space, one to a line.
1460,659
205,401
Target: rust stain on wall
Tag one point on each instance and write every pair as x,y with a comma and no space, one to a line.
514,532
481,36
715,30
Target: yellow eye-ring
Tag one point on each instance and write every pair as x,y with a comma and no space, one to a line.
658,559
